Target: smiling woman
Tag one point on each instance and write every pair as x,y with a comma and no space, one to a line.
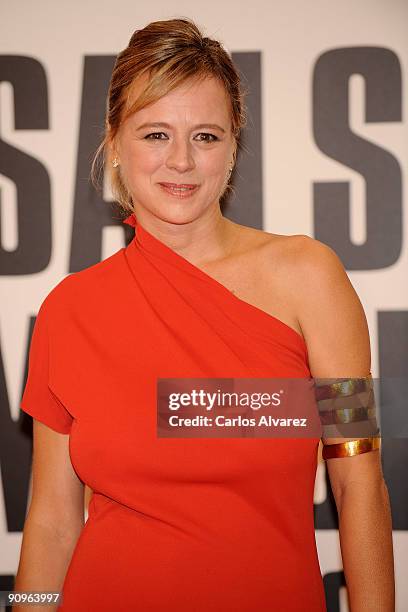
189,523
201,90
181,161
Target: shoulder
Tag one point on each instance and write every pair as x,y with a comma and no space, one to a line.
319,276
313,260
302,268
298,254
329,310
301,255
317,290
86,285
304,254
318,272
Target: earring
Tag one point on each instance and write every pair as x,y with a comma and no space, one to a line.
115,163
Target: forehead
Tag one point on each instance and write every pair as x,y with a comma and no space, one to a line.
202,100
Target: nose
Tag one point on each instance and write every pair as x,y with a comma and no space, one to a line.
179,155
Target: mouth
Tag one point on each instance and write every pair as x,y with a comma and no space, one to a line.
184,190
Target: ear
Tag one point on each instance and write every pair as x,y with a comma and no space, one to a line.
234,154
112,150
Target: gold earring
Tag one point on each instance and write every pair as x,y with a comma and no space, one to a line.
115,163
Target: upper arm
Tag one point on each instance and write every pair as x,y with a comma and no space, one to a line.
335,329
57,499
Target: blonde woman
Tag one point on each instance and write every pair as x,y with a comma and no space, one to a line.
183,523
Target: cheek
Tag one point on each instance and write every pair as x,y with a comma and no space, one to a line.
212,166
138,164
145,159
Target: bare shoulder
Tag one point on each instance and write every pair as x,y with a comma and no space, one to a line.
311,288
251,237
305,252
317,268
299,250
296,259
310,255
329,310
312,270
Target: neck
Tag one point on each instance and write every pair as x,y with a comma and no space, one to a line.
204,240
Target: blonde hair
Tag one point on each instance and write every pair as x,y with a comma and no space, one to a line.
170,53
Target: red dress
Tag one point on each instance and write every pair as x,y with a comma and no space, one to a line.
181,524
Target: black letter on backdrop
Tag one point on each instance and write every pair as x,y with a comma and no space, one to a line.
393,364
382,74
91,212
15,453
28,80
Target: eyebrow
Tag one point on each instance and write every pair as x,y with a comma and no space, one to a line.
211,126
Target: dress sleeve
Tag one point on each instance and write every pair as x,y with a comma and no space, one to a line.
38,400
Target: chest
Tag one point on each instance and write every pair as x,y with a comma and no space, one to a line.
260,278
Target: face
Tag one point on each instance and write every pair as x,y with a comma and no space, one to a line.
194,148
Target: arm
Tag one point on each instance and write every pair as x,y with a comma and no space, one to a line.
55,517
339,346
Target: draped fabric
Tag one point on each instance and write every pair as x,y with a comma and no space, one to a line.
174,524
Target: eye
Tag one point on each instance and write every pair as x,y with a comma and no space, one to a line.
209,137
154,134
214,138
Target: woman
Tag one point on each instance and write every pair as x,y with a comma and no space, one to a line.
190,524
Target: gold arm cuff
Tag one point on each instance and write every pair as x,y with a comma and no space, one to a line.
343,387
347,415
350,448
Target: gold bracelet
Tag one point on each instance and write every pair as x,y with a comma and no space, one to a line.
350,448
347,415
343,387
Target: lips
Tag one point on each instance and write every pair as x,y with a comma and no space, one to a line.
179,190
179,186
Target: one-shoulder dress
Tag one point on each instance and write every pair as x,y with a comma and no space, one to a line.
179,524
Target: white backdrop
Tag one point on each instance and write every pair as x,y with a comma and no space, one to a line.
290,37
